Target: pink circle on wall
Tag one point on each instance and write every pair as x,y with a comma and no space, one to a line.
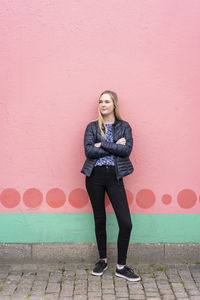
55,198
186,198
128,194
166,199
129,197
107,200
32,198
10,198
145,198
78,198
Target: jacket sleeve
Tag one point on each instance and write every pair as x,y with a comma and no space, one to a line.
90,150
118,149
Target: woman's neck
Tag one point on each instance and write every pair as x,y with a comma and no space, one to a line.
109,119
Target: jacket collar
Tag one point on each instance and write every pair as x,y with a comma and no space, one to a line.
114,124
116,121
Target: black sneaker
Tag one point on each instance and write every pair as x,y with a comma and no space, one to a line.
100,267
127,273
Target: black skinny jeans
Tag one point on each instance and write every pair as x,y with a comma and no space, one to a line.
103,178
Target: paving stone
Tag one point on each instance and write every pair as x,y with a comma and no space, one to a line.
80,297
110,292
19,297
194,292
50,296
34,297
94,289
73,282
37,293
150,290
80,292
166,292
122,295
190,286
53,287
168,297
108,297
137,297
151,294
181,295
94,294
121,289
39,284
107,285
136,292
153,298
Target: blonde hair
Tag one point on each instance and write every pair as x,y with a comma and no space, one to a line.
101,122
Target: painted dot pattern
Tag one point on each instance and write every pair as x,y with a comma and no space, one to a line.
129,196
186,198
55,198
78,198
107,200
166,199
145,198
10,198
32,198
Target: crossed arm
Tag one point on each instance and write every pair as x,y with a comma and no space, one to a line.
122,147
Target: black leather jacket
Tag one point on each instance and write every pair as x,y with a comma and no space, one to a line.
121,153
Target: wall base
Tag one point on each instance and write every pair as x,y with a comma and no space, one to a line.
138,253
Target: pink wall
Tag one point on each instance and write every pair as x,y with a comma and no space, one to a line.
57,57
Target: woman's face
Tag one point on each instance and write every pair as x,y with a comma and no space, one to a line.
106,105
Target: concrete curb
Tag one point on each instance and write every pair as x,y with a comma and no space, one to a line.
138,253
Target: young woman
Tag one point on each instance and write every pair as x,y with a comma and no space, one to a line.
108,143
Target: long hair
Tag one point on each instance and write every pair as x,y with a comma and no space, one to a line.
101,122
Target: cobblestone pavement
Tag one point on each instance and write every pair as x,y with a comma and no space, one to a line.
64,281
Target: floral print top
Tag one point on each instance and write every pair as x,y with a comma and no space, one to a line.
107,160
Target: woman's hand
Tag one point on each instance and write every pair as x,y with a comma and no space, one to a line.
121,141
97,144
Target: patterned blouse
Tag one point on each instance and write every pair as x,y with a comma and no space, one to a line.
107,160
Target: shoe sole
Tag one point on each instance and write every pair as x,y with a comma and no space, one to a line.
127,278
99,274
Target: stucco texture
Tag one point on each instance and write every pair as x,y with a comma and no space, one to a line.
56,58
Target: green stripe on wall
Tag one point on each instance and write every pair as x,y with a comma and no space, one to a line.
79,227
